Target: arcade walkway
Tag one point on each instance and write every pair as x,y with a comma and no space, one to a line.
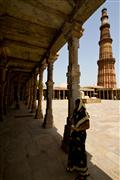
28,152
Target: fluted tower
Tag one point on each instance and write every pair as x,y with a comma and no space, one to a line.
106,62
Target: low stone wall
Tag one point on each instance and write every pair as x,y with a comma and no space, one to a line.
91,100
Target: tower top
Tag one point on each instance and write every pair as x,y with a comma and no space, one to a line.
104,10
104,18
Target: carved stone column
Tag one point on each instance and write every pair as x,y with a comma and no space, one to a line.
59,94
39,114
6,91
63,94
103,94
48,120
17,91
33,109
31,94
107,94
2,73
73,78
26,93
5,103
28,98
3,62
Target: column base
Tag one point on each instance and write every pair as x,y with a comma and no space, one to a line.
48,120
66,138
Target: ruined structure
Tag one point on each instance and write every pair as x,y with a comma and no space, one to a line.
106,62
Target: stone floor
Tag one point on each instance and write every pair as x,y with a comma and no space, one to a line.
28,152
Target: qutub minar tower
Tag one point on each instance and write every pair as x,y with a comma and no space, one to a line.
106,62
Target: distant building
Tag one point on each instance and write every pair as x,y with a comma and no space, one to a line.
87,92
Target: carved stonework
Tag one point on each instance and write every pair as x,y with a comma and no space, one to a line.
73,78
106,69
1,101
73,75
31,94
48,120
72,29
33,109
39,113
3,70
17,91
28,93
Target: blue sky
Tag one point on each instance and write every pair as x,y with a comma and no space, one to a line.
88,52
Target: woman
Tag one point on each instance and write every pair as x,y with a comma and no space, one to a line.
77,158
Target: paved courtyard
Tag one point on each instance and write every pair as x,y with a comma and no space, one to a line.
103,139
28,152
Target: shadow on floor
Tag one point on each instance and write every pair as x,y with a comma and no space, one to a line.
29,152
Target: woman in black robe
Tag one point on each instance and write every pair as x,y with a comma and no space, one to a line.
77,158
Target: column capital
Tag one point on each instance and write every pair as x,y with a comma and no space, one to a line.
42,67
73,30
51,58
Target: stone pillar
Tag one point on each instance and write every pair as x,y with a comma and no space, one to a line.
28,98
63,94
116,95
103,94
6,91
10,94
17,91
59,94
73,78
31,94
5,103
10,89
3,63
2,84
48,120
39,113
86,93
26,93
112,94
107,94
99,94
33,109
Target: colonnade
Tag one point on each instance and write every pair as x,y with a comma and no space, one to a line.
6,85
73,78
112,94
31,92
57,93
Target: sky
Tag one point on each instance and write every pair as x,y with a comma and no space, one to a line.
88,52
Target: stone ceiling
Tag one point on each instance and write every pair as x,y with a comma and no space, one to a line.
31,29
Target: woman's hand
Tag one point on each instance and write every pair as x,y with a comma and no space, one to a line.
75,129
84,126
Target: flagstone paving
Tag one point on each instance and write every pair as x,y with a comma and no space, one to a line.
29,152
